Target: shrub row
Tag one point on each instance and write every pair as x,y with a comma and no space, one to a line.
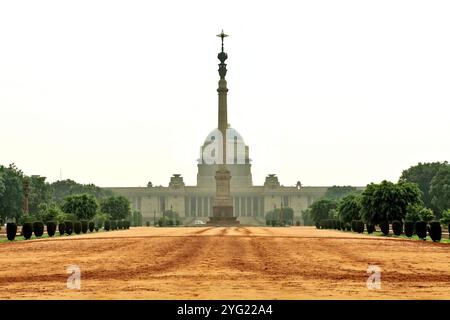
116,224
434,229
37,228
330,224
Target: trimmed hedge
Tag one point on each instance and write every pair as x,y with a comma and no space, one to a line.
77,227
99,224
409,228
397,227
69,227
435,231
61,228
51,228
113,224
421,229
27,230
328,224
107,225
370,228
91,226
126,224
38,228
120,224
384,226
11,230
84,226
358,226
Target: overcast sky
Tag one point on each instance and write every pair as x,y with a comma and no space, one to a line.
118,93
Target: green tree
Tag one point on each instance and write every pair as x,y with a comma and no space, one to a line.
100,218
40,193
276,215
440,190
426,215
423,174
83,206
137,218
321,209
307,219
338,192
349,208
118,207
413,213
50,212
63,188
388,201
445,219
11,192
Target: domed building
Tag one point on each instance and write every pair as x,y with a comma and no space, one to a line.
238,161
231,188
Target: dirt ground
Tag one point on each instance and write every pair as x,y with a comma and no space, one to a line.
224,263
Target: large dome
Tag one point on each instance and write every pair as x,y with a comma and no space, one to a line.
232,134
237,151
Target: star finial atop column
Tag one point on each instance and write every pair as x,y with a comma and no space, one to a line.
222,35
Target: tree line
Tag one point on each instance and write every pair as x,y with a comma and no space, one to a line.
60,201
421,194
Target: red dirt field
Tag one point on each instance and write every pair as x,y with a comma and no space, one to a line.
224,263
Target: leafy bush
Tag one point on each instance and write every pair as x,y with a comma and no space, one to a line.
435,231
27,230
297,223
126,224
120,224
348,227
147,223
370,228
69,227
421,229
77,227
91,226
107,225
113,224
384,227
409,228
84,226
397,227
51,228
61,228
11,230
38,228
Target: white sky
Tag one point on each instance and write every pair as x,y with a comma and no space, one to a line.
118,93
